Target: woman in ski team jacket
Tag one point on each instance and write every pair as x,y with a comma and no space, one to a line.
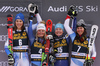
61,45
19,43
79,42
37,42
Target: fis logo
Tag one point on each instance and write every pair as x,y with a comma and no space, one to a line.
13,9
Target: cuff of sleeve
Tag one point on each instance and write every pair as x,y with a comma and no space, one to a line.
93,58
68,17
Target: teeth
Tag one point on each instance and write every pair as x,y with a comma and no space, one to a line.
58,33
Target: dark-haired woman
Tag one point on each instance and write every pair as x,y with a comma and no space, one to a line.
79,42
20,42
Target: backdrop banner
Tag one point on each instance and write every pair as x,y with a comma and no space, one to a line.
56,10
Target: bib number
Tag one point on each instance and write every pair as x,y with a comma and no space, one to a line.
40,51
20,42
79,47
60,50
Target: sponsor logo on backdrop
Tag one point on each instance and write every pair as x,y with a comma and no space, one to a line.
3,37
13,24
2,51
13,9
80,8
57,9
3,24
4,63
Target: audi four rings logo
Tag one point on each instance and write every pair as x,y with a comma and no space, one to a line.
6,24
2,51
4,63
3,37
13,9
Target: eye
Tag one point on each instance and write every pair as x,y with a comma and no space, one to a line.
16,20
20,21
38,30
59,29
43,31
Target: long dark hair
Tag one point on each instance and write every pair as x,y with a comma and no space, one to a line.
83,36
15,27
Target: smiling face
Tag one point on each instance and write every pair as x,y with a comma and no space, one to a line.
19,23
58,31
41,33
80,30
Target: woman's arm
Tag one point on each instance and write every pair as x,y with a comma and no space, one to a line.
39,19
73,26
30,33
66,25
70,32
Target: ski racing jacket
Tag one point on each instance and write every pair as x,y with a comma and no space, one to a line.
79,50
21,36
61,44
37,46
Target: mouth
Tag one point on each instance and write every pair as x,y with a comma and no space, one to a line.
18,25
58,33
40,35
79,33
